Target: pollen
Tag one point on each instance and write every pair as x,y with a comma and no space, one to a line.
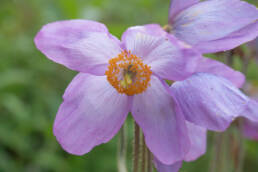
128,74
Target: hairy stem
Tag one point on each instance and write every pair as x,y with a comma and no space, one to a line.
136,150
241,150
149,161
122,147
217,143
143,154
229,58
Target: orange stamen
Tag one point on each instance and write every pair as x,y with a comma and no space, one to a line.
128,74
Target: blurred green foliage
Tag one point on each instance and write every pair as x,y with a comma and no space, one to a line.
31,86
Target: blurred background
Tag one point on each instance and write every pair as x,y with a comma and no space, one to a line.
31,86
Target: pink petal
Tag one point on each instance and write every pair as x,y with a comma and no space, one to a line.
231,41
212,101
250,128
176,6
167,168
162,123
166,56
91,114
251,111
150,29
207,65
81,45
208,24
198,141
198,147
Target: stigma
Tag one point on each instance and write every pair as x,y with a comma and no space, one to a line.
128,74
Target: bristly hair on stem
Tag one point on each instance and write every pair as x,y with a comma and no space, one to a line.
122,148
136,147
241,150
143,153
149,161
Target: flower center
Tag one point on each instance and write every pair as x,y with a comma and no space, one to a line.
128,74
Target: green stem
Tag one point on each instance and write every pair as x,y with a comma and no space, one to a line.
143,153
229,58
241,150
149,161
122,147
215,163
136,147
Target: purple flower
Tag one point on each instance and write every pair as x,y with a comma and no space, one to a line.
116,78
128,76
213,25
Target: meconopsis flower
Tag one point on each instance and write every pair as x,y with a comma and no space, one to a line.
118,77
213,25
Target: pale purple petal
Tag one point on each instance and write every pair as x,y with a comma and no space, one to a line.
207,65
254,45
91,114
167,168
81,45
162,123
250,129
216,21
151,29
212,101
231,41
198,141
176,6
166,56
251,111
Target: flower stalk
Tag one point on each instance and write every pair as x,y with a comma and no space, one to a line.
136,147
241,150
149,161
146,156
122,147
143,153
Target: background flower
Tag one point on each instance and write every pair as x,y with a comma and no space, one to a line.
212,26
